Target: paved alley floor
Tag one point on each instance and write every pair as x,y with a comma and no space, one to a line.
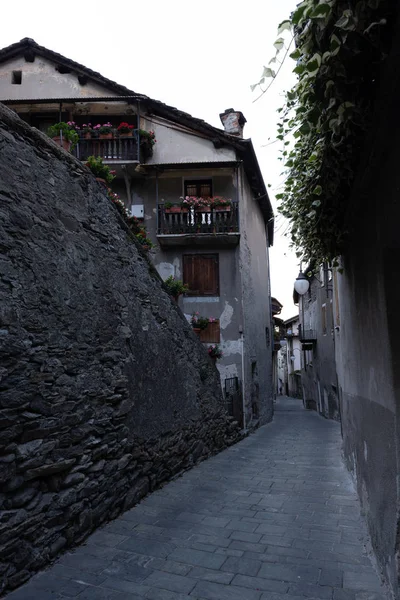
274,517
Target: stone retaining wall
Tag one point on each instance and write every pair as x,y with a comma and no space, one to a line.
105,391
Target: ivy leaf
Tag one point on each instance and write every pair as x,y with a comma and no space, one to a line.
273,60
267,72
253,87
313,157
296,54
316,203
280,42
279,196
285,25
299,69
335,44
314,64
298,13
346,21
320,11
317,190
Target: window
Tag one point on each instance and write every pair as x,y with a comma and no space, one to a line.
201,274
198,187
16,77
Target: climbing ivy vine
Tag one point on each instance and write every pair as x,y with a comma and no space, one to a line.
339,49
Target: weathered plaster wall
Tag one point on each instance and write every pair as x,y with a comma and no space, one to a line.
256,293
105,391
41,80
368,351
177,146
226,307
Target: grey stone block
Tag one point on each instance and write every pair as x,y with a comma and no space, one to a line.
211,575
147,547
173,583
259,583
242,566
198,558
215,591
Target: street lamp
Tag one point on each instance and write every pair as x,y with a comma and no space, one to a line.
301,285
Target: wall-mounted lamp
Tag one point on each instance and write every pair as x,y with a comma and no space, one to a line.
301,285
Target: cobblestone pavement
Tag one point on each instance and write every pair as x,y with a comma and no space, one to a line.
273,518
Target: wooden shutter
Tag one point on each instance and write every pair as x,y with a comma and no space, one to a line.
199,187
201,274
211,334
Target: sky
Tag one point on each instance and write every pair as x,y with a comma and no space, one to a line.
201,57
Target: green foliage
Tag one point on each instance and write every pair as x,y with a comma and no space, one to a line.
340,46
68,133
176,286
99,169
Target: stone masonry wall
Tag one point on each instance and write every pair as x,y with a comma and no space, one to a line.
105,391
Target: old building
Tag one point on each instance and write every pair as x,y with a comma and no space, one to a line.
319,319
219,250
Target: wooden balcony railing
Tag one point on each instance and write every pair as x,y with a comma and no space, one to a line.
116,148
195,221
307,335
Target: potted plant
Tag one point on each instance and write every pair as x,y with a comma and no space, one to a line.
145,242
101,171
147,139
198,323
176,287
172,208
64,135
86,131
214,352
125,130
220,204
105,131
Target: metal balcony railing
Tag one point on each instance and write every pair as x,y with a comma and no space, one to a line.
196,221
115,149
307,335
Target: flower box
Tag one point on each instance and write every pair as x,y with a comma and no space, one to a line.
106,136
175,209
226,208
66,144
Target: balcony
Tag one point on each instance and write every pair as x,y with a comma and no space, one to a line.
307,335
206,226
114,150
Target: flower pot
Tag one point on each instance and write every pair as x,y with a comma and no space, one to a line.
176,297
106,136
87,135
62,142
222,208
174,209
202,209
197,330
124,135
214,359
102,181
145,247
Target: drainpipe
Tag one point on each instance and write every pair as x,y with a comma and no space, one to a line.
243,380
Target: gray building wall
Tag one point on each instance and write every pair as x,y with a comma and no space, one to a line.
367,346
319,379
40,79
257,319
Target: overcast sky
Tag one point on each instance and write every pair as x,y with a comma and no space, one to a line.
201,57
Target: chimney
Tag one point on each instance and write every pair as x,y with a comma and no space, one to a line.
233,121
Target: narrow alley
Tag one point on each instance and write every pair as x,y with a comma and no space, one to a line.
274,517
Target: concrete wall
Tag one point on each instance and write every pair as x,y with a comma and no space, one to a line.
256,294
41,80
176,144
106,392
367,346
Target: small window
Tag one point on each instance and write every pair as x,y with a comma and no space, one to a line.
16,77
201,188
201,274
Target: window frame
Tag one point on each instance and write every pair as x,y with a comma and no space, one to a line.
198,181
209,256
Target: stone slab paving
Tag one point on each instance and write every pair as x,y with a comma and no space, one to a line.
275,517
